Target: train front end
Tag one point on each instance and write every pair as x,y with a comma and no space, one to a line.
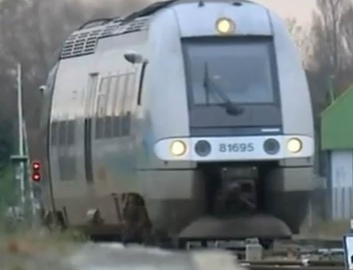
249,122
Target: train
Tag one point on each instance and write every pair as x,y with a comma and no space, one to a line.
183,120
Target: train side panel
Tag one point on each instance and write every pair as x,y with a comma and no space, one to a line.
114,135
82,183
66,144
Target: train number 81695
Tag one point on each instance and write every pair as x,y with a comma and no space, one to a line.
236,147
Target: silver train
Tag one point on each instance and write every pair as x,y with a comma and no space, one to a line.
187,119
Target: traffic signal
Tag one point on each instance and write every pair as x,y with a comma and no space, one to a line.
36,176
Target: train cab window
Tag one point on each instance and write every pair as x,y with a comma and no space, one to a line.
242,68
118,105
100,108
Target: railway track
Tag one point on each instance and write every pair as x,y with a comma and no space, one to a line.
289,267
297,253
320,242
301,253
285,264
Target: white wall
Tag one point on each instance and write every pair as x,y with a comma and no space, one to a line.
341,163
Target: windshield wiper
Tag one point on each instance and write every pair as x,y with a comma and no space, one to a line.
230,107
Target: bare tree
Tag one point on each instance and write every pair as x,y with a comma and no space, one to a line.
329,49
327,63
32,33
300,36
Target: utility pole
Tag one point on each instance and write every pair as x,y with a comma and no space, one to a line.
20,134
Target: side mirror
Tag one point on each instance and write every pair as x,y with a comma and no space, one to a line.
42,89
133,57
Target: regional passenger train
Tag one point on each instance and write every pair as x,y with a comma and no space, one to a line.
187,119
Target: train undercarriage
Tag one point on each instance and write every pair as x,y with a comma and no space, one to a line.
239,203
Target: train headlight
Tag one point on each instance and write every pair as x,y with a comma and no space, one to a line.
294,145
203,148
271,146
178,148
225,26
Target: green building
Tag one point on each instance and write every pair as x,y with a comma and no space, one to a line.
337,142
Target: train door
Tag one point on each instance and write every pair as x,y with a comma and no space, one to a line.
88,130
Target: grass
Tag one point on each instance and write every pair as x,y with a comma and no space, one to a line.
34,242
38,249
21,245
16,236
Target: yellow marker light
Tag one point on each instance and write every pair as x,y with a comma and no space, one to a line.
178,148
225,26
294,145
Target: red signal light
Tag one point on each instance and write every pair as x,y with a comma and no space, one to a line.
36,177
36,165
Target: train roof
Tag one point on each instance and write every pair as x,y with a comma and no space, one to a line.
84,40
151,9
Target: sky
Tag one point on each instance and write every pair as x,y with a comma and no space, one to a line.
299,9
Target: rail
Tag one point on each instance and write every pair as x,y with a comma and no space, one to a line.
297,253
297,264
286,267
301,254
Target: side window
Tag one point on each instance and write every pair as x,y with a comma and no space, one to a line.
118,105
132,91
114,92
61,133
54,133
100,107
125,106
66,160
128,103
90,94
71,132
108,126
139,93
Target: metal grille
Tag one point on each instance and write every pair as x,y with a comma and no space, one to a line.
119,28
109,29
80,44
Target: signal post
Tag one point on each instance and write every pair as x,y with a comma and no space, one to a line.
29,183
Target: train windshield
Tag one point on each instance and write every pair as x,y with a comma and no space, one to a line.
241,68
